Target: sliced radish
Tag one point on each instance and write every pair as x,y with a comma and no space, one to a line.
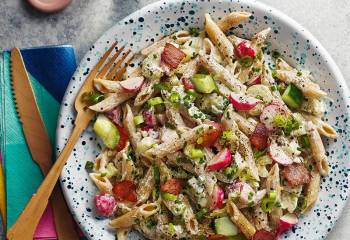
254,81
242,102
287,221
187,83
132,84
268,114
217,197
278,155
221,160
115,115
150,118
242,49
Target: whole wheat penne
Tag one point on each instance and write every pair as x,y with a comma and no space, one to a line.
318,151
240,220
232,19
323,128
219,38
111,101
312,190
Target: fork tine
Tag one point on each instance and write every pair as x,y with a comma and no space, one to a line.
117,65
108,65
104,57
120,73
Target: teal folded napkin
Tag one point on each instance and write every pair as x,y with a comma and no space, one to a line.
50,70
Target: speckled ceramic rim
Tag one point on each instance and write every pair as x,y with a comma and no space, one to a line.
265,8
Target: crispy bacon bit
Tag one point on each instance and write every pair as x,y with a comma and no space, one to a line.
172,56
242,50
259,137
216,237
296,174
173,186
263,235
209,138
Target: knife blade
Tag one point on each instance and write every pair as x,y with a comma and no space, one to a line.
38,140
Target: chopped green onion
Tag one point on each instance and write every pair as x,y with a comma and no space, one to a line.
196,153
92,97
192,93
155,101
194,31
287,123
174,97
273,88
230,172
246,61
168,196
302,204
156,175
138,120
274,74
171,228
228,135
89,165
201,213
258,154
103,174
269,202
162,86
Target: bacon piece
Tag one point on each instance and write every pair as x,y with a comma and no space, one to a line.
173,186
259,137
172,56
296,174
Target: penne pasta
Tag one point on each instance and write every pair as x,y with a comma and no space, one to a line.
111,101
232,19
240,220
318,151
323,128
312,190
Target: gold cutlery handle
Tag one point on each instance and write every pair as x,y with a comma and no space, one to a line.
24,227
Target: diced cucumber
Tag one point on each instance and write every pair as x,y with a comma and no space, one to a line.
107,131
225,227
138,120
293,96
203,83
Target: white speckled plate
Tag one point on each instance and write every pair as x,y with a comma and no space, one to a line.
161,18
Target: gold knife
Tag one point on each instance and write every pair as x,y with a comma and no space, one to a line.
38,141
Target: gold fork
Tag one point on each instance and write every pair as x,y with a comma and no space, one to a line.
24,227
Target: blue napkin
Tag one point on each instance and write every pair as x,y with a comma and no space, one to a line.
50,69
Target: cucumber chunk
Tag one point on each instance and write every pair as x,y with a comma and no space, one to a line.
225,227
107,131
203,83
293,96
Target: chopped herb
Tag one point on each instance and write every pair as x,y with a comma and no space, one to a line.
299,73
162,86
89,165
201,213
230,171
91,98
256,69
170,125
246,61
258,154
304,142
302,204
273,88
151,223
274,74
194,31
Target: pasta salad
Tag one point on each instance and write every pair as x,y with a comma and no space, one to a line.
205,139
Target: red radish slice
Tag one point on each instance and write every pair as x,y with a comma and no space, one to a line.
105,204
242,102
278,155
242,50
268,114
187,83
217,197
221,160
172,56
254,81
259,137
287,222
132,84
150,118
